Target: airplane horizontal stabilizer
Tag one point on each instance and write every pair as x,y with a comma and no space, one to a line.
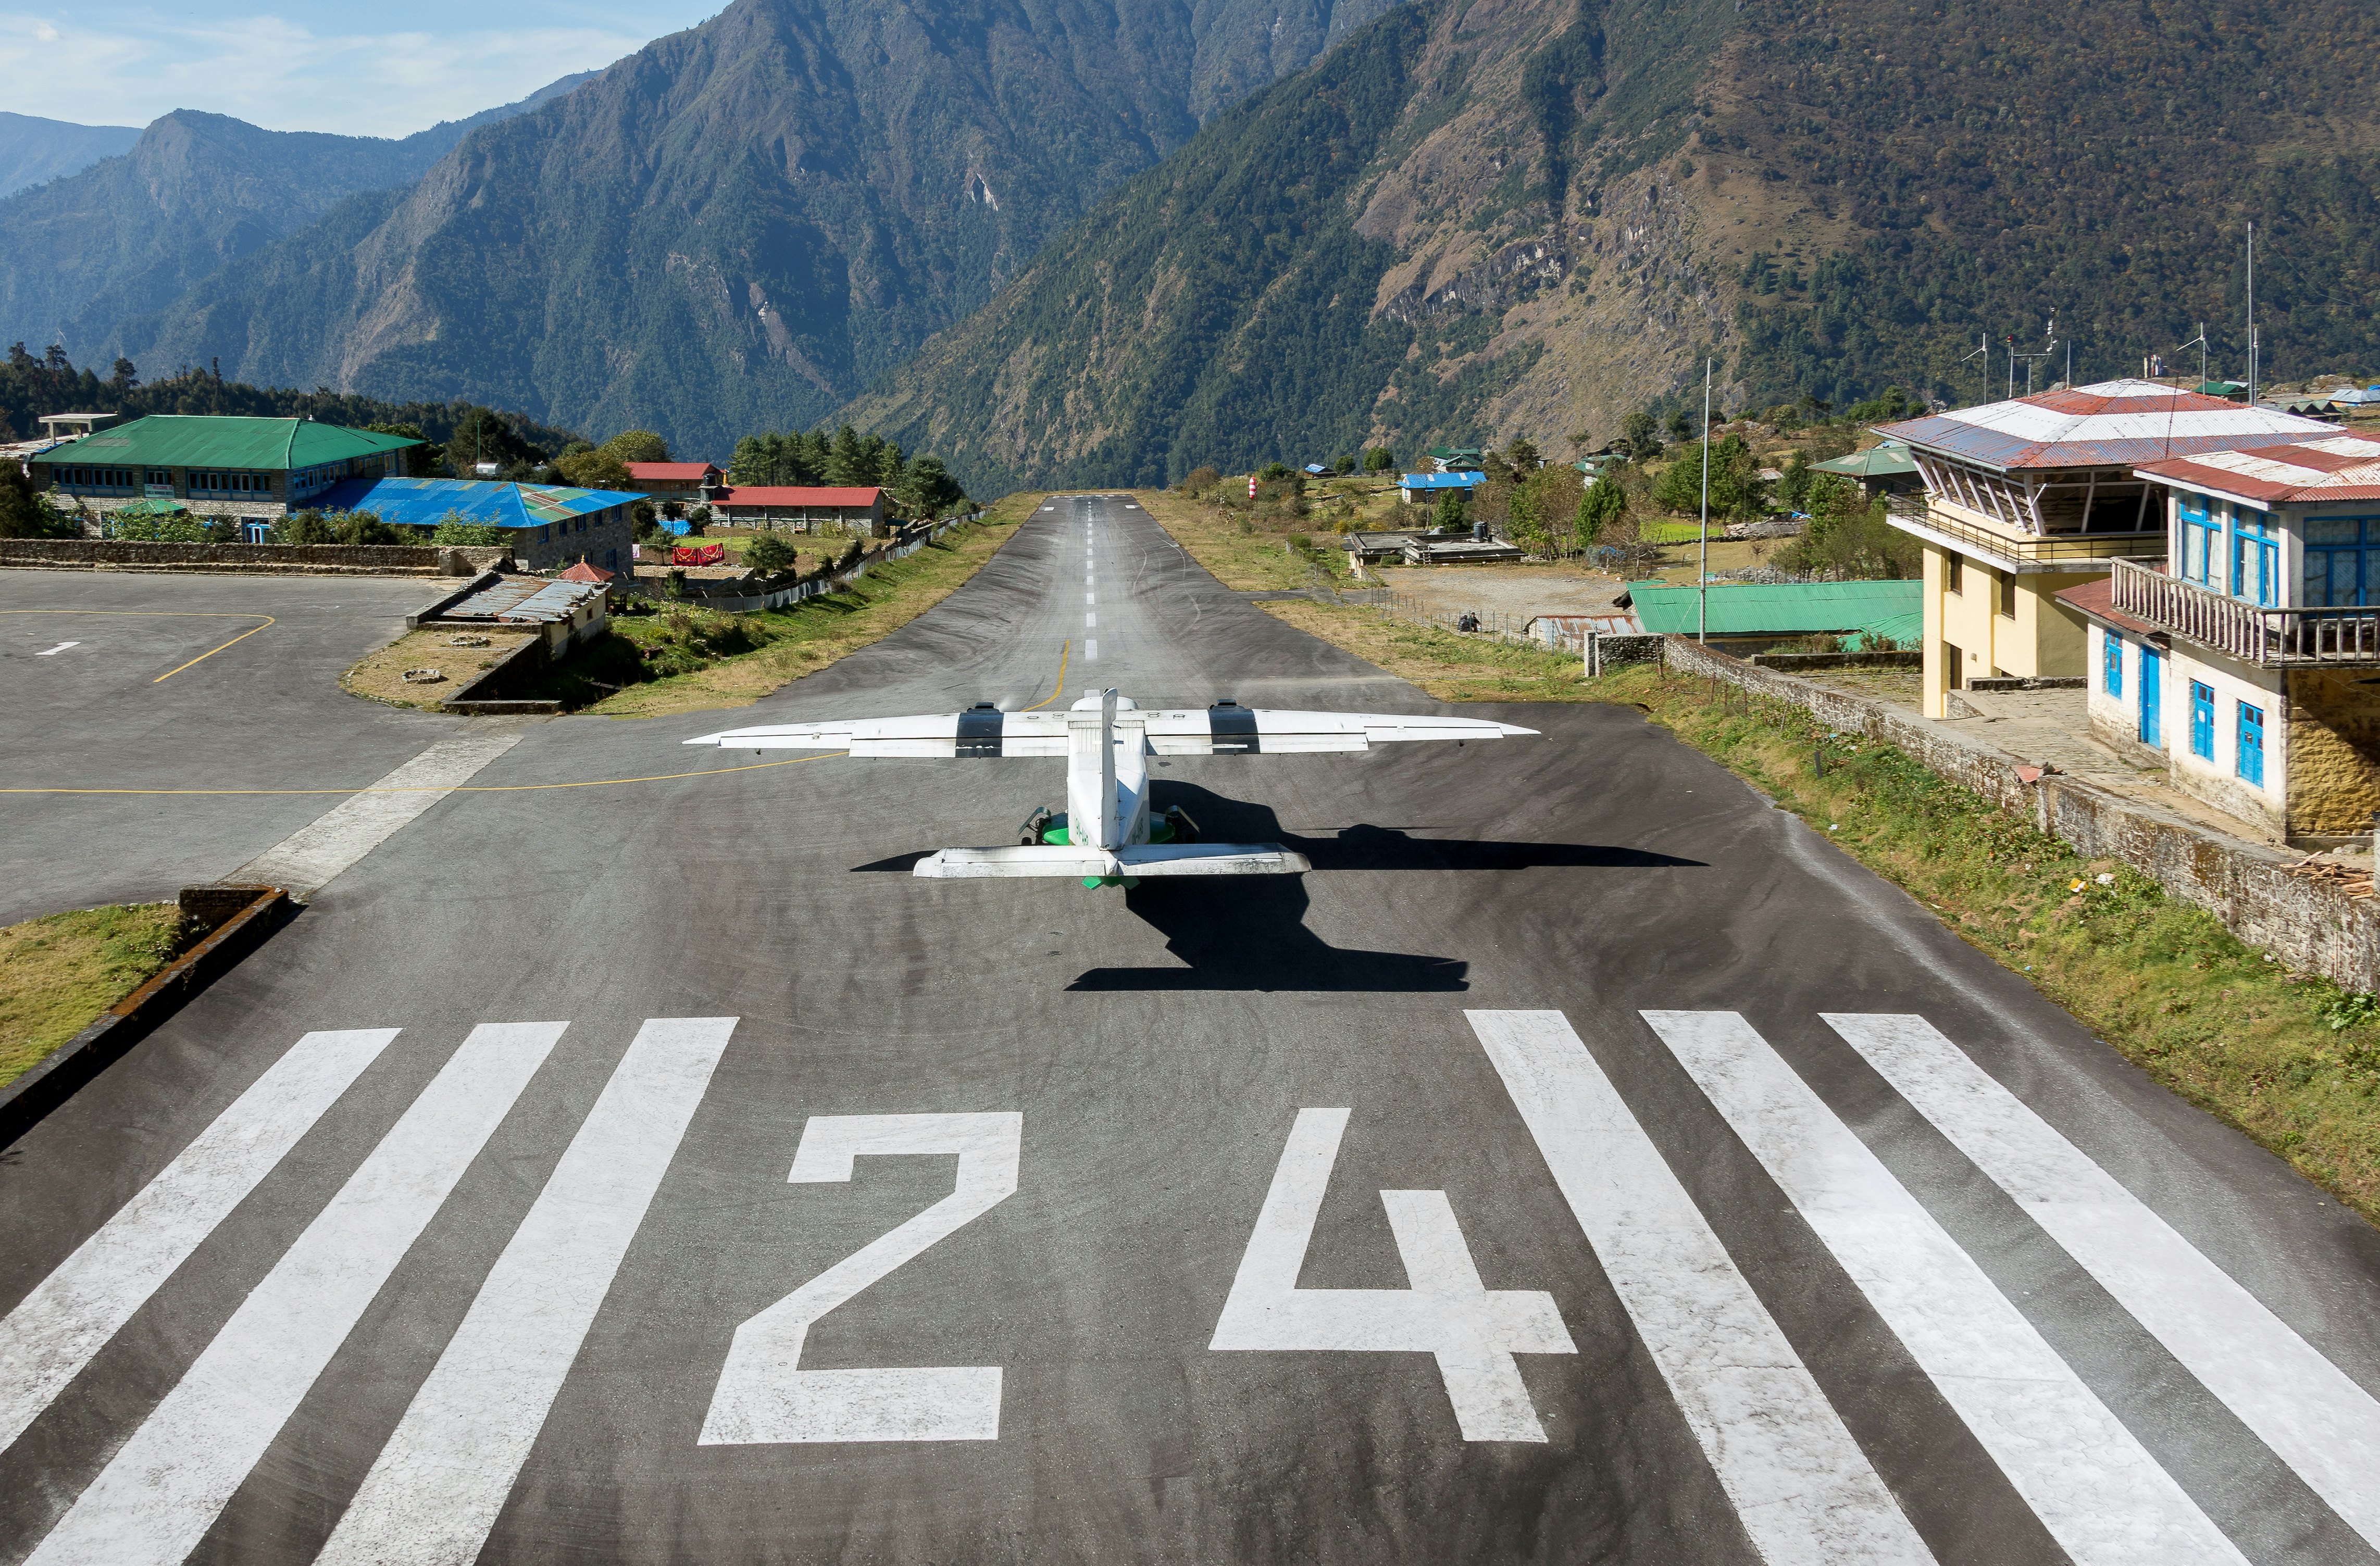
1224,729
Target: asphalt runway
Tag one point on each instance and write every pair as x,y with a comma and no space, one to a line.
1585,1163
103,693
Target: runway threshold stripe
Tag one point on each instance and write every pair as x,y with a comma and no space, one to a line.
434,1492
2096,1489
1799,1482
2298,1403
70,1315
312,856
164,1487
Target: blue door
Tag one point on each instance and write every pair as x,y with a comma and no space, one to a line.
2152,686
2252,743
2202,721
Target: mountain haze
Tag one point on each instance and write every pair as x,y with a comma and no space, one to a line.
123,236
34,150
743,224
1530,217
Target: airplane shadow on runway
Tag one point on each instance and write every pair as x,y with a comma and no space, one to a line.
1248,932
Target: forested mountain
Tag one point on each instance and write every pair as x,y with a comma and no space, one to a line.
1499,218
123,236
742,225
33,150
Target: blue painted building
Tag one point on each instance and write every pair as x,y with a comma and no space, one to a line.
1421,489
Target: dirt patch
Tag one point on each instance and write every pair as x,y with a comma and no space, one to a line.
57,974
1517,591
381,677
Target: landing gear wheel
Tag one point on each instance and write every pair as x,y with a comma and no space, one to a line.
1030,834
1184,829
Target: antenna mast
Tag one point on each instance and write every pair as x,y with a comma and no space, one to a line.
1983,370
2253,365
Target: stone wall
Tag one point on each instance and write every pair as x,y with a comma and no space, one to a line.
336,560
2333,733
2308,925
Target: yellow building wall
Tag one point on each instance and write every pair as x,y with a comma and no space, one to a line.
2043,639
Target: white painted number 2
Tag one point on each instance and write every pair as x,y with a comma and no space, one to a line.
1472,1330
764,1396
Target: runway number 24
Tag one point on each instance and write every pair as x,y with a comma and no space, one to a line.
1473,1331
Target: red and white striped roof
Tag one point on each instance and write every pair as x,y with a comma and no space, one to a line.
2307,473
2113,424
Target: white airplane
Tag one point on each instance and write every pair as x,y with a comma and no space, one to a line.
1107,835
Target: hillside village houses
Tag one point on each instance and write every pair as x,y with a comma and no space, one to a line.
689,481
2026,498
545,526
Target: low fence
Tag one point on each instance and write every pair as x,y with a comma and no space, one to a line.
745,598
320,560
2310,925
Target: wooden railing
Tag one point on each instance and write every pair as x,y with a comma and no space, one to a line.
2247,631
2077,548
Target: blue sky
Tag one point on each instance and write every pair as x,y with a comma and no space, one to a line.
311,65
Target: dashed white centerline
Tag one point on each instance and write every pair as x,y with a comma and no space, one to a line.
1090,622
1091,651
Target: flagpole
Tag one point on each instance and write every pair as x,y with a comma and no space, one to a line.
1702,582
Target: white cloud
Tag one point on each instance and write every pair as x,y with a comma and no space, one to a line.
106,64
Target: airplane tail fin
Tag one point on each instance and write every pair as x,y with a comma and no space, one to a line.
1145,860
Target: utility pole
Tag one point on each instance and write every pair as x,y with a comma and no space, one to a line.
2253,365
2200,345
1702,577
1983,370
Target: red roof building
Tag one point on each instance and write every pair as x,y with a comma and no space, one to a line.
676,479
582,572
802,509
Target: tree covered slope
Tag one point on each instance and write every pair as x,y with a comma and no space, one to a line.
1535,216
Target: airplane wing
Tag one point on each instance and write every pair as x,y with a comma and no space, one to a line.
1224,729
981,732
1229,729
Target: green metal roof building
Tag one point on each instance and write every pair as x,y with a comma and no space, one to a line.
254,470
1771,614
1885,470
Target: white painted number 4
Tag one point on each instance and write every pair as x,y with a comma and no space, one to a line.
764,1396
1472,1330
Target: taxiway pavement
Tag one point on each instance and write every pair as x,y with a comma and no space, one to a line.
1585,1162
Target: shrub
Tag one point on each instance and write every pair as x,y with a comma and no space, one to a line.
180,529
1379,459
309,526
365,528
1201,479
456,529
1272,472
770,555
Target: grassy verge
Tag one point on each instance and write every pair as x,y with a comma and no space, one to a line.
57,974
380,676
2292,1060
1248,553
687,660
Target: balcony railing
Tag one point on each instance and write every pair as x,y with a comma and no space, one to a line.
2247,631
2079,550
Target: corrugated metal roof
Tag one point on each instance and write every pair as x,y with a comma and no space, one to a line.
1898,630
775,494
660,472
1440,480
2344,467
2113,424
188,440
523,601
423,503
1780,609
